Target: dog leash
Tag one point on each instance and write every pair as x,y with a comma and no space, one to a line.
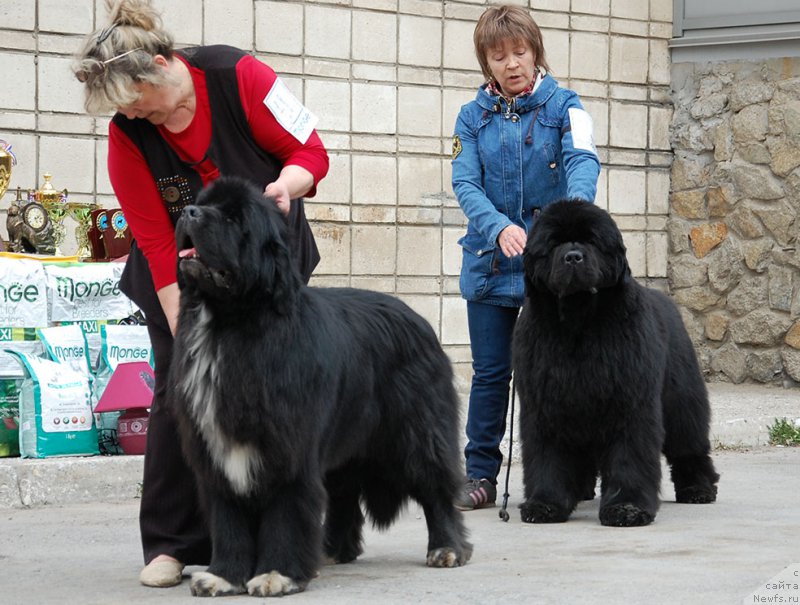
504,509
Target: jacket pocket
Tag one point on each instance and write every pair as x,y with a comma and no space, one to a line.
553,160
476,265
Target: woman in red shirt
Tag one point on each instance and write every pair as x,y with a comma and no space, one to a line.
183,118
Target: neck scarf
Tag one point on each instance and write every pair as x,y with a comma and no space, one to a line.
493,89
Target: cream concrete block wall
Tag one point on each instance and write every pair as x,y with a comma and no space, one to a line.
19,69
73,17
184,18
386,79
18,15
272,35
228,22
415,36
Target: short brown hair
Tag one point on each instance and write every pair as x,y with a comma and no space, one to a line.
135,26
507,22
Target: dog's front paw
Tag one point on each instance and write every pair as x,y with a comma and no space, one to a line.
534,511
273,584
205,584
696,495
625,515
448,557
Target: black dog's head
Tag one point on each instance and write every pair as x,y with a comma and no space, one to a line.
232,247
574,247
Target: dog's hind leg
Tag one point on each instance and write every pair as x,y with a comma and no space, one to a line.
344,519
695,479
435,485
289,538
233,551
687,447
432,484
447,543
687,414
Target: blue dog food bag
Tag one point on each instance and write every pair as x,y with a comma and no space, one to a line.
55,410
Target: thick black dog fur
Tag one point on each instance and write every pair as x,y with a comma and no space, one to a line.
607,378
296,404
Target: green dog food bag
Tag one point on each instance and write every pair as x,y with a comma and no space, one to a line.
55,411
85,291
9,417
91,330
67,345
23,293
118,344
24,340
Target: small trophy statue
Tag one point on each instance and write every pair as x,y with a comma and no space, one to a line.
29,227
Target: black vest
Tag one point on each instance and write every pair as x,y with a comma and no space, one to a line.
233,150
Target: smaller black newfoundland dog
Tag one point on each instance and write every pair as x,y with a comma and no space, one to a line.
607,378
297,404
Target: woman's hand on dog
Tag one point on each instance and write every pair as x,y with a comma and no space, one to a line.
512,240
280,193
293,182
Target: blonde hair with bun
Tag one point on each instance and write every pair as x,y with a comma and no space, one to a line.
134,30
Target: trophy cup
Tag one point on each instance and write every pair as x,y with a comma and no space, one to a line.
7,161
55,202
81,212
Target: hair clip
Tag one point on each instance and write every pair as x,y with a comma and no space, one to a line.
98,67
103,35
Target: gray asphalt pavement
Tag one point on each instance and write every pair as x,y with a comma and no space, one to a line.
69,535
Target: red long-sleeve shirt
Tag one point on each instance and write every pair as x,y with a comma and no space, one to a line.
135,187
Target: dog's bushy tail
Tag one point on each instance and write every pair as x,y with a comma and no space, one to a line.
383,500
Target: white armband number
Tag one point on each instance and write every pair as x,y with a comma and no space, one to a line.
582,130
289,112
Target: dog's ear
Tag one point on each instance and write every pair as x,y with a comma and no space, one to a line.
623,270
532,269
278,277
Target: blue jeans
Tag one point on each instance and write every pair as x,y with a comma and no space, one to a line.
491,328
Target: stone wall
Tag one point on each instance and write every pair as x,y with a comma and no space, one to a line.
735,216
386,78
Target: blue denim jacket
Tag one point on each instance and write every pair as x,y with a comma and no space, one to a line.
509,161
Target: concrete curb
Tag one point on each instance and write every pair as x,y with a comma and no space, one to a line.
741,414
28,483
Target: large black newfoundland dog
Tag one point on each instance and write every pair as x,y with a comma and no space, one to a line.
298,404
607,377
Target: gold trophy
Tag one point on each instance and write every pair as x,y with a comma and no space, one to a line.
7,161
55,202
81,213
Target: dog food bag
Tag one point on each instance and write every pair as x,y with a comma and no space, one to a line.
118,344
55,411
9,417
23,293
67,345
24,340
81,291
91,330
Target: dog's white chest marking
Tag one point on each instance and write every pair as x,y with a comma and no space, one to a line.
202,389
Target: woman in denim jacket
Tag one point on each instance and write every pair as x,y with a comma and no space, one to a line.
523,143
